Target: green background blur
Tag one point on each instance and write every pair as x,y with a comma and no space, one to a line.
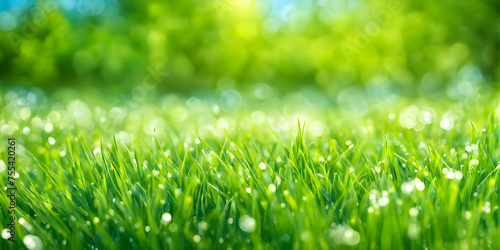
413,47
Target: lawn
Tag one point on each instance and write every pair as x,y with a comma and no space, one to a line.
249,124
288,173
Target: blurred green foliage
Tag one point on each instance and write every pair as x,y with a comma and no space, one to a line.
191,46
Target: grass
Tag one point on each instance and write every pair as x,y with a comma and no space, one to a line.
374,181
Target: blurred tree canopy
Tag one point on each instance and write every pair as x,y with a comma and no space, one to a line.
190,46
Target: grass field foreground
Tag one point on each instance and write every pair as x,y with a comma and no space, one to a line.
191,173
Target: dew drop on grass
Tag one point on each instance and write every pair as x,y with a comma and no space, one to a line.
5,233
450,175
486,207
408,120
419,185
25,113
51,140
473,163
25,224
351,237
166,217
262,166
383,201
427,115
147,229
7,130
413,212
32,242
26,131
373,197
167,153
407,187
249,190
230,221
48,127
196,238
272,188
446,123
247,223
3,166
202,226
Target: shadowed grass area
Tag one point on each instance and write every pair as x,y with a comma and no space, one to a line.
374,185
